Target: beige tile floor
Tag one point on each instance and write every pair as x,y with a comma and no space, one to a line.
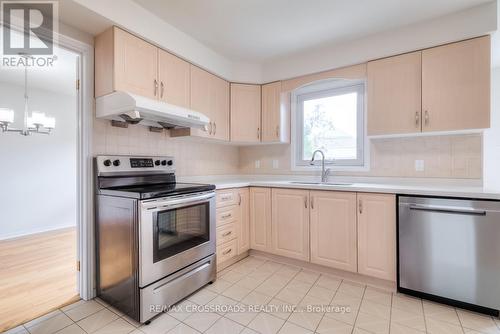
255,295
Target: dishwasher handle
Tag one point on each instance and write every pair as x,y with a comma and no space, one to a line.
448,209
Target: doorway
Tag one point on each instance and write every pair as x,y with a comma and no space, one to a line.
39,196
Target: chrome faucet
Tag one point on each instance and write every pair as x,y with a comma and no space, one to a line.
324,172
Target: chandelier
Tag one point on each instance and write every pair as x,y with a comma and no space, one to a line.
36,123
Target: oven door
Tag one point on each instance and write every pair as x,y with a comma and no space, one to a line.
175,232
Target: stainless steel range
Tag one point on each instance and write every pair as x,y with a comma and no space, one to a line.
155,238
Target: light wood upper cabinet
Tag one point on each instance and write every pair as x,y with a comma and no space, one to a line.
333,229
377,235
290,223
210,96
244,217
245,113
394,94
260,219
124,62
220,108
275,118
174,79
456,86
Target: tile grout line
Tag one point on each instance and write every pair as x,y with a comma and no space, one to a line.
329,304
359,310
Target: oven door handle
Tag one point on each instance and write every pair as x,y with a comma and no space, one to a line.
180,201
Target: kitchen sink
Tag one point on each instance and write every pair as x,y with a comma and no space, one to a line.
323,183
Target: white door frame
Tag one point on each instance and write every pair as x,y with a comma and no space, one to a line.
85,191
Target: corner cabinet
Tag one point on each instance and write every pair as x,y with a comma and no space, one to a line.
290,223
275,114
333,229
245,113
260,219
377,235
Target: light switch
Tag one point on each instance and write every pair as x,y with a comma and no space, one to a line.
419,165
275,164
257,164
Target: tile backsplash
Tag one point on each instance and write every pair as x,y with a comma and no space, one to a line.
193,157
453,156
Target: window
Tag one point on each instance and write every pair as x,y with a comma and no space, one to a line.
329,116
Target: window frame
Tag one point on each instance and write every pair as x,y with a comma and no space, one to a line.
321,89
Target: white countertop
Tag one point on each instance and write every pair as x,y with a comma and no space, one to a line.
427,187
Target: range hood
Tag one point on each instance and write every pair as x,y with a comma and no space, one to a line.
136,109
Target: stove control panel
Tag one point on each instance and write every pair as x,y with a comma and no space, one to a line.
123,164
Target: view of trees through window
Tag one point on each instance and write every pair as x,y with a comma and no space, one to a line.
330,124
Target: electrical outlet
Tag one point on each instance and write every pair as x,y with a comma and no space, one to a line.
275,164
257,164
419,165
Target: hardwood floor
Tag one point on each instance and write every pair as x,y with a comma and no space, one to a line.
37,275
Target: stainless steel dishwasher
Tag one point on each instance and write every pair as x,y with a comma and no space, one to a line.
449,251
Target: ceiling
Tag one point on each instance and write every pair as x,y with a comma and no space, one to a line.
265,30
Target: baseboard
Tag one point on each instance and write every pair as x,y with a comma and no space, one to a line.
224,265
354,277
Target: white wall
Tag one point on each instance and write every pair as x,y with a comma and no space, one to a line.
468,23
38,173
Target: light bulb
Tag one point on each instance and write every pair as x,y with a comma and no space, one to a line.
50,123
37,118
6,115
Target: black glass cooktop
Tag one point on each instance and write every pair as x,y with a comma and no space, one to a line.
156,190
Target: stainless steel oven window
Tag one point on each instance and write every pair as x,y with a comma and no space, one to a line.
178,229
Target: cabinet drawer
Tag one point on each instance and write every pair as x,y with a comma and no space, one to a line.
227,215
226,233
226,251
227,197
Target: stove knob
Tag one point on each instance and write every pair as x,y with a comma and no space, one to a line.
116,163
164,162
157,162
170,162
107,163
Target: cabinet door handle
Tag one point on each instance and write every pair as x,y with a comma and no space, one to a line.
215,128
417,119
228,215
305,202
426,119
162,89
277,131
156,86
312,202
209,128
360,205
239,199
227,234
227,251
258,133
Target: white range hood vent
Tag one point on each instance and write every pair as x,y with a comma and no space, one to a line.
136,109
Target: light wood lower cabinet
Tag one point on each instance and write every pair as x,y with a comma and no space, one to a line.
244,216
232,226
290,223
333,229
377,235
260,219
